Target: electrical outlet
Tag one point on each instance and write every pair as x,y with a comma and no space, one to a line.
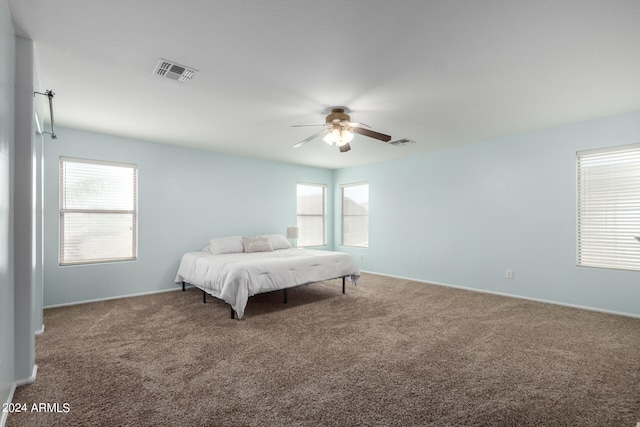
509,274
361,257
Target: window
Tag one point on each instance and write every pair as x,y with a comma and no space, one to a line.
355,215
98,211
311,214
609,208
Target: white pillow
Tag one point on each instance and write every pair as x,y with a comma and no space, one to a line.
225,245
257,244
278,241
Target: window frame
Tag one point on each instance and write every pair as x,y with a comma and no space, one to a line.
323,215
342,214
606,231
65,211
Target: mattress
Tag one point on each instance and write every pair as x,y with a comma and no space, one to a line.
235,277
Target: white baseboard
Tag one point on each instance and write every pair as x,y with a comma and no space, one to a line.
504,294
41,331
110,298
29,380
4,415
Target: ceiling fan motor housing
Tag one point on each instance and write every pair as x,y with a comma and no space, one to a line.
337,114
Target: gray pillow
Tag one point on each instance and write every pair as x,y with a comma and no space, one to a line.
257,244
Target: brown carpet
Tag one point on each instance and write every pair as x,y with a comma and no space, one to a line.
389,352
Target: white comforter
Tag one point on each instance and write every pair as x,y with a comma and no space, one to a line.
235,277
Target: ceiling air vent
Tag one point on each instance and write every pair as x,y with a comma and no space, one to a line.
402,142
173,71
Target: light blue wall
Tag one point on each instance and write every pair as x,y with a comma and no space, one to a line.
458,216
185,197
7,82
463,216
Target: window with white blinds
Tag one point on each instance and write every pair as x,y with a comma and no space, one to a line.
311,214
609,208
355,215
98,211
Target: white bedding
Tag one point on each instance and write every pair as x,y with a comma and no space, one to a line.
235,277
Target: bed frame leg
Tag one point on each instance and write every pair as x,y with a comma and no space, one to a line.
285,296
182,286
233,313
204,297
343,287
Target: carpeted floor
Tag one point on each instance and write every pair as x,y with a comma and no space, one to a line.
389,352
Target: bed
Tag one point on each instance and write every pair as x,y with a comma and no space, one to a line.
234,276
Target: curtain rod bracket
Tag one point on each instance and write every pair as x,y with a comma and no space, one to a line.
49,94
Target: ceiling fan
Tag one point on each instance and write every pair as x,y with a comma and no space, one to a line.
339,131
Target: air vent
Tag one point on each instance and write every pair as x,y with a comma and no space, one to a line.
173,71
402,142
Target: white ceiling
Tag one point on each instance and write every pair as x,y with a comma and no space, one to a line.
440,72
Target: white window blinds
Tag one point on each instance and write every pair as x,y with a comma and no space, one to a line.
98,211
355,215
311,214
609,208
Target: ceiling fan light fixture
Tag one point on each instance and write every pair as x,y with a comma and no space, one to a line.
329,138
338,137
346,136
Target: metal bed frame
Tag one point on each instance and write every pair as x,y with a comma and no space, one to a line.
286,297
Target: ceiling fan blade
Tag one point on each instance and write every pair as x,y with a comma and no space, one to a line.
357,125
314,136
344,148
372,134
301,126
